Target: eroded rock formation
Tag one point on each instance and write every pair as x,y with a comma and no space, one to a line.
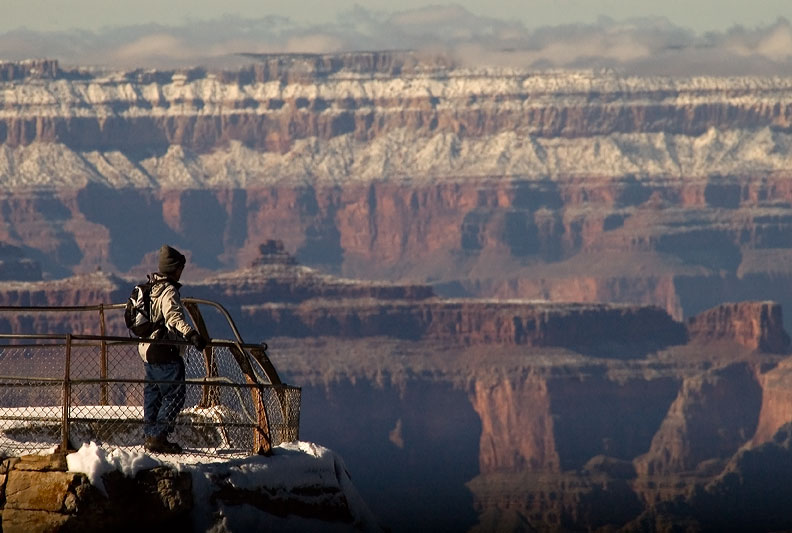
39,493
564,408
568,186
756,325
277,297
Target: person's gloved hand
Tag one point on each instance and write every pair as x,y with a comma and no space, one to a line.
196,340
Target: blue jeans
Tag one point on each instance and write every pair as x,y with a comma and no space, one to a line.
162,401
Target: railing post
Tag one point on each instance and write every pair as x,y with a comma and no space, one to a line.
260,355
66,401
262,439
103,358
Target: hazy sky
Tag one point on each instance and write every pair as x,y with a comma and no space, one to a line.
674,37
698,15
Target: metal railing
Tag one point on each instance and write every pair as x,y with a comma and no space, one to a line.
58,390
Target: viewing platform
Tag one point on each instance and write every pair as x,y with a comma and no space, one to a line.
60,390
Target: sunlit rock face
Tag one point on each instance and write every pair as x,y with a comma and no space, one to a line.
567,186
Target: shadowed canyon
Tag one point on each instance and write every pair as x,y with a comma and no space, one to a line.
457,414
515,300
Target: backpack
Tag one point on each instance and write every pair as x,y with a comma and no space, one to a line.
137,314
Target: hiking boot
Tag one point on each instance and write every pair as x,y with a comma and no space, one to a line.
161,444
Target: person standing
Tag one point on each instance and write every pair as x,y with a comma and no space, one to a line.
162,402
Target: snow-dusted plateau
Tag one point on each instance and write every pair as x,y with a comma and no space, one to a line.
313,121
559,185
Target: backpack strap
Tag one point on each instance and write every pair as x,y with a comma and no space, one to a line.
160,327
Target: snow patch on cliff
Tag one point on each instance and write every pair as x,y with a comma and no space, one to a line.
421,153
116,94
405,156
299,470
95,461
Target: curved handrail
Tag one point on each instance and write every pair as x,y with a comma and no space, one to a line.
104,307
219,307
57,308
255,353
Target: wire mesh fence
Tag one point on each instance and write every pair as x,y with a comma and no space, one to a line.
67,390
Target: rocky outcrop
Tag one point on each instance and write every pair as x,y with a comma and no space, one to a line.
776,409
599,327
300,302
41,495
714,414
756,325
307,485
35,69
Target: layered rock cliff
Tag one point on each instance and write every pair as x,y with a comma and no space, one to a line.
748,324
569,186
553,409
277,297
281,100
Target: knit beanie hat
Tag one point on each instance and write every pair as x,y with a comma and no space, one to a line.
170,260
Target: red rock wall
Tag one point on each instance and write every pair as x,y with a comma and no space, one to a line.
776,410
667,426
756,325
514,436
497,239
714,414
616,331
558,422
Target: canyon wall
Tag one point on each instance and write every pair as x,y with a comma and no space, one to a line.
544,411
748,324
484,239
566,186
275,103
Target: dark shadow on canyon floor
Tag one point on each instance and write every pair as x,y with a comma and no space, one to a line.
410,451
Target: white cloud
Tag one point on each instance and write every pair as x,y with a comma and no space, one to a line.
644,45
777,45
157,45
317,43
